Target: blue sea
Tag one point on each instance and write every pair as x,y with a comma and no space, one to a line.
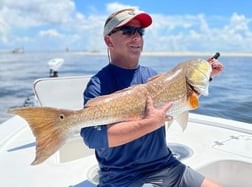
230,94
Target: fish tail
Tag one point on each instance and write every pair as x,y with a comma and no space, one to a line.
46,127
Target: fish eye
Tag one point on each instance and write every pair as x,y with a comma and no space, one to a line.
62,116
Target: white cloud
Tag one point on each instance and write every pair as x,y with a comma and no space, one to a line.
113,7
192,32
23,16
238,23
50,33
27,13
30,23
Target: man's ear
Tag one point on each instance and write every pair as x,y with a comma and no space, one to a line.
108,41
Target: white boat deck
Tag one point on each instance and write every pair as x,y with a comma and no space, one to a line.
221,149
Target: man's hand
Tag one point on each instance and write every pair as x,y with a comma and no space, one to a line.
217,67
157,115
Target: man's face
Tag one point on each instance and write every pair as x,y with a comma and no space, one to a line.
125,44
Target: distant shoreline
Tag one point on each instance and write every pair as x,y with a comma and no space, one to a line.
197,53
167,53
147,53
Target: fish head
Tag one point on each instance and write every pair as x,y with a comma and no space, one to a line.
197,75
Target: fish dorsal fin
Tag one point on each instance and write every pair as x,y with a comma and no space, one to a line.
154,77
96,101
106,98
182,120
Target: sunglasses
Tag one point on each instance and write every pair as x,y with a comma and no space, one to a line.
128,30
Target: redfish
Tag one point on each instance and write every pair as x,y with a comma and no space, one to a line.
182,85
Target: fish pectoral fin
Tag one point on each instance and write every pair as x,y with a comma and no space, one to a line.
193,101
182,120
168,124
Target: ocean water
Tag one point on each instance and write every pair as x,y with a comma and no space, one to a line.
230,94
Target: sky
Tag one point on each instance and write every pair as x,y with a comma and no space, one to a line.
181,25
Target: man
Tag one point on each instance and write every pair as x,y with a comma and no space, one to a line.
134,153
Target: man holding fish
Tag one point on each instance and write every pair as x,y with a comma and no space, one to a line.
126,107
134,152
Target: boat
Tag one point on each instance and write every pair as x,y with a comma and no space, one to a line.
54,65
220,149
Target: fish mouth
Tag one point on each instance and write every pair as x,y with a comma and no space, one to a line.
199,89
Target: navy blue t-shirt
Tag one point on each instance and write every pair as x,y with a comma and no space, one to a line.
123,164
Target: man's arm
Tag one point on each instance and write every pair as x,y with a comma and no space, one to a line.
124,132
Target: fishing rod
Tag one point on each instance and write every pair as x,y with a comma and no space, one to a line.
216,56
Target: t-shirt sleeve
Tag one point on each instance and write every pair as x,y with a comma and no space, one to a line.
94,137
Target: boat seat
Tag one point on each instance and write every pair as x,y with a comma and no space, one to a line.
61,92
67,93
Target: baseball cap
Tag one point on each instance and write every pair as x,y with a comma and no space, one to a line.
124,16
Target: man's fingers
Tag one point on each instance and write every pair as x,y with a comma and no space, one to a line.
168,118
161,112
165,108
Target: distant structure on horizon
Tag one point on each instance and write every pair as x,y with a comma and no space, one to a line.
18,50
